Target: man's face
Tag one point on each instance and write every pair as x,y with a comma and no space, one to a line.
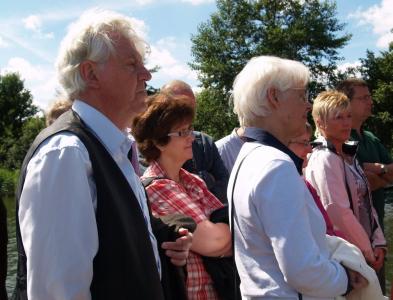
122,80
361,103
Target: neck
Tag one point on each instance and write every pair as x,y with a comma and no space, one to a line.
273,126
240,131
117,117
357,125
338,145
170,167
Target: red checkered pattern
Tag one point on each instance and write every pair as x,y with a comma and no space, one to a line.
193,199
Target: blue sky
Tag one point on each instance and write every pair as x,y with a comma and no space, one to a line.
31,31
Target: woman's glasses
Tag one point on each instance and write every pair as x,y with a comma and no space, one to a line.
182,133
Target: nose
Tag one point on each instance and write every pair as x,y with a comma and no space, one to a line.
144,74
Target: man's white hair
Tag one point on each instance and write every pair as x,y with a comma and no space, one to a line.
91,37
261,73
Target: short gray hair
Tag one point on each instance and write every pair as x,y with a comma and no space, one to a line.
91,38
261,73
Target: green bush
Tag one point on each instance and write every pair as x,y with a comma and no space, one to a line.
8,181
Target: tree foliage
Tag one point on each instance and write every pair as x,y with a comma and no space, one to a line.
16,104
307,31
378,72
18,126
16,146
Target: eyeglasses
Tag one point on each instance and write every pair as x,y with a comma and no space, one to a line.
182,133
306,97
363,98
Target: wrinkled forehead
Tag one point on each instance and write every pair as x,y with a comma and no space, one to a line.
128,45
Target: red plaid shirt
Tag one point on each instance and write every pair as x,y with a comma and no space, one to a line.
193,199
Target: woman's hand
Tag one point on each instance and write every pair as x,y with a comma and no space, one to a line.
179,249
379,254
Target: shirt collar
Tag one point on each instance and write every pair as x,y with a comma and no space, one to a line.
107,132
259,135
349,147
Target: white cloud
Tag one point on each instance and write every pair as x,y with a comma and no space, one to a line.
34,23
167,42
39,79
380,17
3,43
170,67
345,66
24,68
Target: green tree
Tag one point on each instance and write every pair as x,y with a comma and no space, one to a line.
378,72
16,106
307,31
17,146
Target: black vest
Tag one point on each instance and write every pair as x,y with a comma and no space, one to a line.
125,266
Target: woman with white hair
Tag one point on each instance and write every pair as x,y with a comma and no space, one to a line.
279,234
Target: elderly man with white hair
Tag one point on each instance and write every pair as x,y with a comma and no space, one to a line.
279,234
83,229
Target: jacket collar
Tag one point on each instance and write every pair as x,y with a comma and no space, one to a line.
349,147
253,134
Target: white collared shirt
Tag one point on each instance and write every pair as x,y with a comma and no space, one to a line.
57,209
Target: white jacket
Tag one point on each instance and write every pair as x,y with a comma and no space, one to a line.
351,257
325,171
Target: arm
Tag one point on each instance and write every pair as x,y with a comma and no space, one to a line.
212,239
57,221
375,181
220,174
379,244
296,234
325,172
167,198
376,169
212,169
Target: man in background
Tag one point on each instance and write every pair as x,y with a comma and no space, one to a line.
371,153
206,161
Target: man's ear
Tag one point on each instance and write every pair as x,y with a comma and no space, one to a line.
88,73
271,96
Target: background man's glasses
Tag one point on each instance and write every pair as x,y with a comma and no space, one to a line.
363,98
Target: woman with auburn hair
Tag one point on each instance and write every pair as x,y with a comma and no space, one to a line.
164,135
335,173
